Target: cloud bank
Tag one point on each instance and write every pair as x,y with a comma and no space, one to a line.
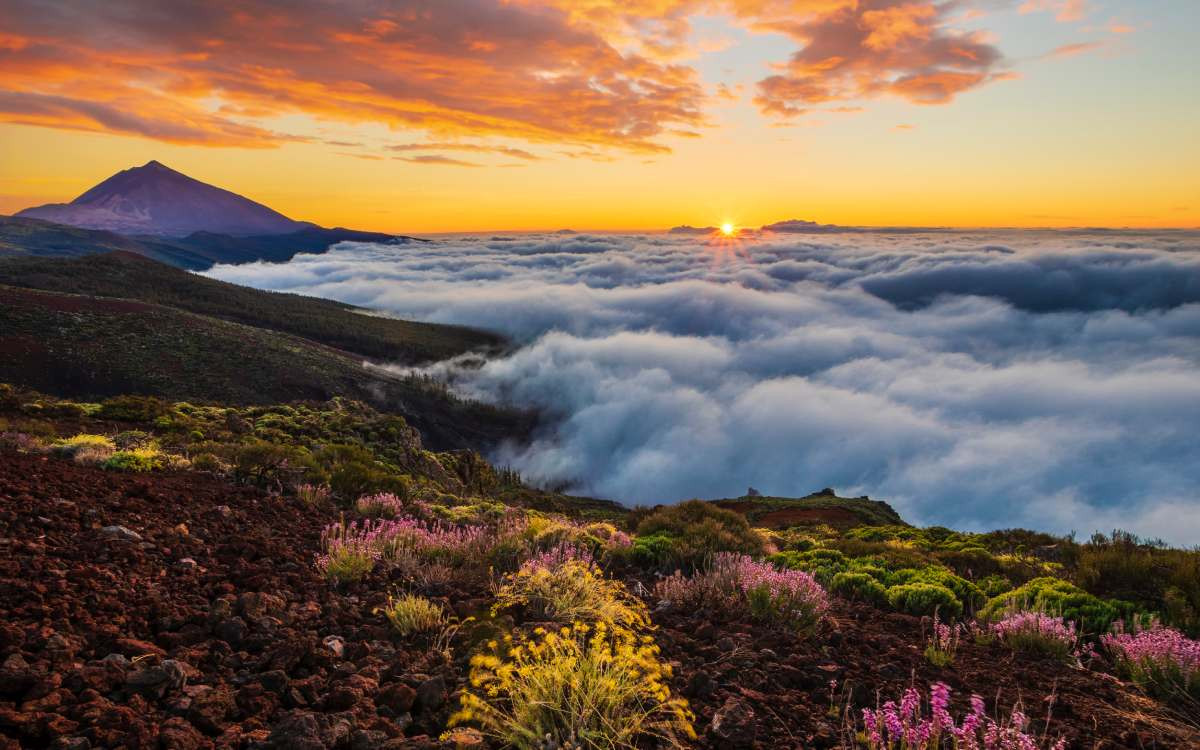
600,74
979,380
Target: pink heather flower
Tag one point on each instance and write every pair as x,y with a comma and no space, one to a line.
1159,657
892,727
792,596
1037,631
561,553
380,504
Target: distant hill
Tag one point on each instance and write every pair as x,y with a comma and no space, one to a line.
197,252
154,199
820,508
127,276
105,325
36,237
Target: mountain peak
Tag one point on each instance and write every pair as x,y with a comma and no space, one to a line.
154,199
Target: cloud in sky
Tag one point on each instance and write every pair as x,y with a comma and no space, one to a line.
601,74
1044,379
464,67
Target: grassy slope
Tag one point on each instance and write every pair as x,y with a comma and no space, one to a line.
127,276
22,236
87,347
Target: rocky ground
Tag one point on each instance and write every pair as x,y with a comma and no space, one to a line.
178,611
181,612
753,687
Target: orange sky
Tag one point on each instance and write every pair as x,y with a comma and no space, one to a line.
462,115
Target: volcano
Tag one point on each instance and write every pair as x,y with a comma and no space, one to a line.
154,199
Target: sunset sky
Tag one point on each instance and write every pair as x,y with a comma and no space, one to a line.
464,115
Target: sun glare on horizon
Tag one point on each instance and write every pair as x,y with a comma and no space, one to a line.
727,229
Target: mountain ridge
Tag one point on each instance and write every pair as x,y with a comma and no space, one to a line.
155,200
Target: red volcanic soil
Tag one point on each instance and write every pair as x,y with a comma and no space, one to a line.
753,687
75,303
211,629
201,622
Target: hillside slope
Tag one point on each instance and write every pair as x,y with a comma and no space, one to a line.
127,276
22,236
91,347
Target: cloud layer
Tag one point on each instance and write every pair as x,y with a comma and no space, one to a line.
979,380
604,73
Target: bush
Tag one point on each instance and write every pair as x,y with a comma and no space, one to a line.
1058,597
349,552
410,614
570,590
581,686
142,409
924,599
858,586
969,595
69,447
735,583
823,563
262,464
1157,578
791,598
1161,661
140,460
380,505
941,646
1037,633
698,531
132,439
208,462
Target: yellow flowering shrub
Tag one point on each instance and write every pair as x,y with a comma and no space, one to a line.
410,614
570,591
588,686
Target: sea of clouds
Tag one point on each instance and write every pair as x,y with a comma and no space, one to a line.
972,379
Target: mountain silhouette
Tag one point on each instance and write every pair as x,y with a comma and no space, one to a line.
154,199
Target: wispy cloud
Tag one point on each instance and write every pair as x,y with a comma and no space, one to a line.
1073,50
517,153
437,159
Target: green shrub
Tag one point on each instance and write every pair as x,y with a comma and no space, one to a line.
994,585
697,531
410,614
924,599
859,586
821,562
132,439
139,460
73,445
143,409
1062,598
1158,578
261,463
968,594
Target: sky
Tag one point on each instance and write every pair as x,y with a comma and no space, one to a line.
978,380
470,115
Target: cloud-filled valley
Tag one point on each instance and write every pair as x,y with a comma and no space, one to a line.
973,379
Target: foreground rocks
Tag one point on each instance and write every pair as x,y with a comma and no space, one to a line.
181,612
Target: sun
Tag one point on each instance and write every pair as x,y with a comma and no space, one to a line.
727,229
